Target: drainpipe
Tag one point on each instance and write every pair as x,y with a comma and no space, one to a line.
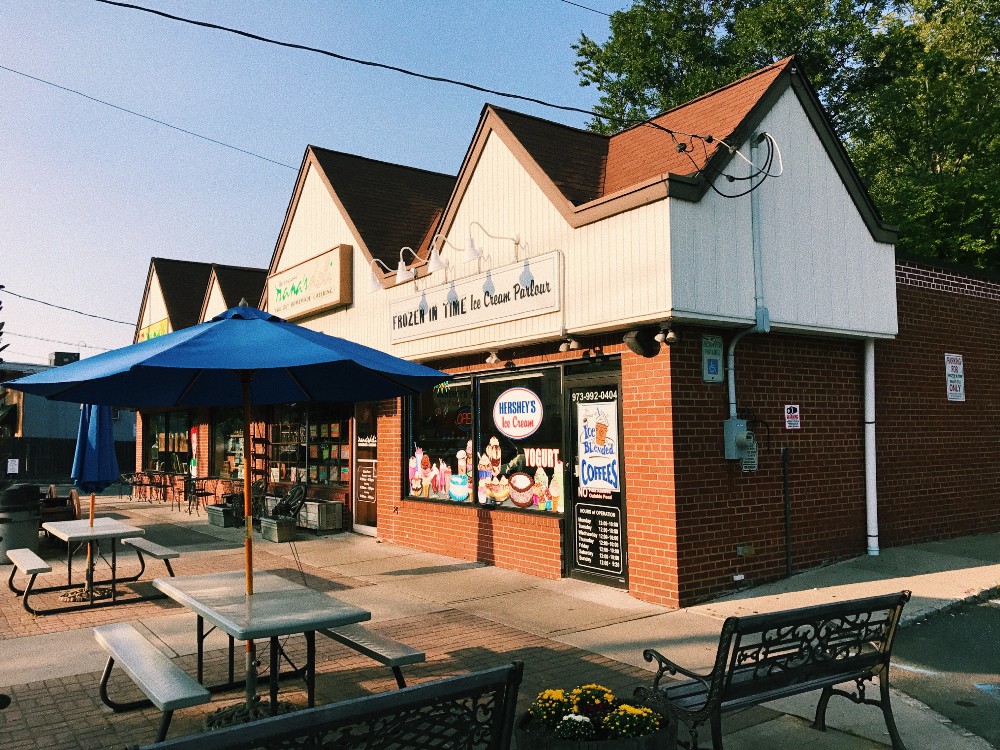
871,490
762,317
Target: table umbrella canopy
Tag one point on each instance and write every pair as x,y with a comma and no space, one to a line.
204,366
95,465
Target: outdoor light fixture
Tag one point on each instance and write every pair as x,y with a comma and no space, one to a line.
374,282
493,358
569,344
474,252
667,336
435,263
404,274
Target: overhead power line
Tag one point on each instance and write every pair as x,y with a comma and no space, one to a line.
60,307
56,341
355,60
146,117
592,10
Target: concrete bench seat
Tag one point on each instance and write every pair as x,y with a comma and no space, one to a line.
28,562
165,685
143,546
384,650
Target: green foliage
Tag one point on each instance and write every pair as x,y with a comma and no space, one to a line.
913,88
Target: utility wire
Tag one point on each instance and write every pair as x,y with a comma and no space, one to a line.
147,117
67,309
56,341
592,10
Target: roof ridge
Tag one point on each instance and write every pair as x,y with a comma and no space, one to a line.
381,161
237,268
714,92
575,129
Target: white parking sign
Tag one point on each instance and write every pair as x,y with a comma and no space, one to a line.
793,417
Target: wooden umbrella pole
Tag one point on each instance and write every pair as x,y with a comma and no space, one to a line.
92,508
247,500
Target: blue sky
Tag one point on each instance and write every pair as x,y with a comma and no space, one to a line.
88,193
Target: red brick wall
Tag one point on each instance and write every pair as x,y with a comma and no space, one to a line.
938,460
718,506
648,459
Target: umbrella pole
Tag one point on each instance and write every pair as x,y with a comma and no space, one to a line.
251,649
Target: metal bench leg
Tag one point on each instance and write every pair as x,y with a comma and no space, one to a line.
113,704
161,735
820,721
169,569
890,721
716,722
400,682
27,593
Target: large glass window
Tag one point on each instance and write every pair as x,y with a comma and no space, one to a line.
441,457
311,445
496,441
227,444
519,460
167,444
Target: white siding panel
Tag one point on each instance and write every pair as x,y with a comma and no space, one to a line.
155,308
216,302
822,269
316,226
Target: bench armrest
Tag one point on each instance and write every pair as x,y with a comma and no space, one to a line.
664,665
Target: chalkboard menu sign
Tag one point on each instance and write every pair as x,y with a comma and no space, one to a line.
599,538
366,481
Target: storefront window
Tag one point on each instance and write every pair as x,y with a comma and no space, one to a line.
167,445
311,445
498,444
519,460
441,459
227,444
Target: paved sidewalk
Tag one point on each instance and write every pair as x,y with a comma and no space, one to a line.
467,616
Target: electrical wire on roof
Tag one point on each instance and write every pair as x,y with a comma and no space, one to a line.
758,173
146,117
4,290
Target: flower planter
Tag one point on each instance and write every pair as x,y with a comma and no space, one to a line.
221,515
277,529
527,737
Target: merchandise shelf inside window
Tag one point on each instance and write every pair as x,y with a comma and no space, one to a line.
311,446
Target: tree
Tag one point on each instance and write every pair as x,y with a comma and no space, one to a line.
913,89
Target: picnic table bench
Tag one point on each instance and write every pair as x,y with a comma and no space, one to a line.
473,712
382,649
767,656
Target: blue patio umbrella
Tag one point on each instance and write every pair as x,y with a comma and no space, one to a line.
95,465
242,357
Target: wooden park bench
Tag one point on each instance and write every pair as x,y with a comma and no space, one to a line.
768,656
165,685
472,712
392,654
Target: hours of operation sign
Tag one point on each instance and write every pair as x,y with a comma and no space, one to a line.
599,538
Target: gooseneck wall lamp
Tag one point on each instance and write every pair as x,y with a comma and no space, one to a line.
374,282
404,274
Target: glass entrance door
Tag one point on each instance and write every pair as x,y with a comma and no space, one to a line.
365,508
595,507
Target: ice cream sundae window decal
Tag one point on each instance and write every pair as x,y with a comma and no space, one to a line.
518,413
597,449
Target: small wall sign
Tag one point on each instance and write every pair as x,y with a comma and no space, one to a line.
711,359
13,464
954,372
518,413
793,417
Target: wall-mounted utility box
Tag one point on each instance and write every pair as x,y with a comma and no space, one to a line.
739,440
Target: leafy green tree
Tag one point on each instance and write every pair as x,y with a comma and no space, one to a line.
913,89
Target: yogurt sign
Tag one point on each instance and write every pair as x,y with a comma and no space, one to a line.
518,413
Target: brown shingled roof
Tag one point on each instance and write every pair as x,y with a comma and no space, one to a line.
183,283
644,152
391,206
237,282
573,159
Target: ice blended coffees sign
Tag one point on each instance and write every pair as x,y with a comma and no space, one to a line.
521,290
517,413
597,445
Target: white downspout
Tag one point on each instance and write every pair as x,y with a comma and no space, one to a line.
871,489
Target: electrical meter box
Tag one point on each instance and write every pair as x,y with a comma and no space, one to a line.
739,440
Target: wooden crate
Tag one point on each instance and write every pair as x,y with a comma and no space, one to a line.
321,515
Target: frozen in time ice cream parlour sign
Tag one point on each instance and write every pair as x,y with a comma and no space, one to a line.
597,449
521,290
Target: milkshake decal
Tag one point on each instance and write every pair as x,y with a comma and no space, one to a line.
597,449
